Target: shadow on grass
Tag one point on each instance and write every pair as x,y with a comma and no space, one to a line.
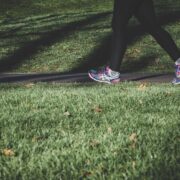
32,47
98,57
22,23
101,54
23,20
31,21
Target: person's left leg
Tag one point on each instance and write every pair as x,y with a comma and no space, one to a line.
146,15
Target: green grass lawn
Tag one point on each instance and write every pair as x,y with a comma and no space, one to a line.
84,131
91,131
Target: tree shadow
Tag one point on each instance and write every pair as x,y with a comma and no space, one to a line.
101,54
138,65
32,47
30,21
18,24
14,20
97,57
10,33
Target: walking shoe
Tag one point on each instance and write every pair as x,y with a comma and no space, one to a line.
176,80
105,75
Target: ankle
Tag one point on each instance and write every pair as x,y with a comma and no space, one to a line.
112,70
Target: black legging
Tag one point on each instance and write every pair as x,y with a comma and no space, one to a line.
145,13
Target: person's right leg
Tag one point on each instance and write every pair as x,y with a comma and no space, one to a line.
146,15
123,11
176,80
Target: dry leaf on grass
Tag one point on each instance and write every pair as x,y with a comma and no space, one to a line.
136,50
168,94
97,109
133,139
142,87
39,138
109,130
133,165
87,174
8,152
34,139
29,85
94,143
67,113
88,162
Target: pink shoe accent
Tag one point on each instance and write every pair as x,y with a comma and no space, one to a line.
116,81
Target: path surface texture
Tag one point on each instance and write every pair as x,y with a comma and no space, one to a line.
81,77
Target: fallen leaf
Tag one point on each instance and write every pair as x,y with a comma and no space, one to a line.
133,137
8,152
109,130
94,143
34,139
136,51
86,174
133,165
140,101
168,94
29,85
88,162
67,113
98,109
142,87
39,138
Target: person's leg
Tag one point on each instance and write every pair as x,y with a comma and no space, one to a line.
146,15
176,80
123,10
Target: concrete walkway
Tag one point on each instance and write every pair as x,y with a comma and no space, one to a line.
81,77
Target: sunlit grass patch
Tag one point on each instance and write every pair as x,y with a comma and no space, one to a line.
89,130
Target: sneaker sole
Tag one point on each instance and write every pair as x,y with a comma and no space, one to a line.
107,82
174,82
